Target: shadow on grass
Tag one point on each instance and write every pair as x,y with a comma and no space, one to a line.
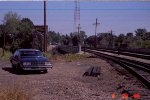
22,72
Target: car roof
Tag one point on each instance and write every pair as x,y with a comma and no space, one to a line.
28,50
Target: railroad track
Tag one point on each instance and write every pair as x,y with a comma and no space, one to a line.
138,69
144,56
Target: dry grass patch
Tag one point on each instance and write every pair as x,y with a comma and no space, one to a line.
74,57
67,57
14,93
6,55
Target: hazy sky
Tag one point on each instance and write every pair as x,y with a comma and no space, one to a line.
121,17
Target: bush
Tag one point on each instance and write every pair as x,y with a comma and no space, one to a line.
146,44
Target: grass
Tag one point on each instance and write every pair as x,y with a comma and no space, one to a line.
14,93
6,55
50,56
67,57
74,57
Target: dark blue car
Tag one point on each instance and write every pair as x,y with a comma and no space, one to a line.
30,59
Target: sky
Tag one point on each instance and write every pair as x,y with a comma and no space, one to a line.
121,17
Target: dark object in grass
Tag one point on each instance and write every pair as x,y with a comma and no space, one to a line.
92,71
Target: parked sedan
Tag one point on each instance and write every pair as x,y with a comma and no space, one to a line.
30,59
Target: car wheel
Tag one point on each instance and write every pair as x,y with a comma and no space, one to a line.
19,69
45,71
13,66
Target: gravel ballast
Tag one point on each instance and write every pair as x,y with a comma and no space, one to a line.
65,81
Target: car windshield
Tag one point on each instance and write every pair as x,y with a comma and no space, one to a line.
30,53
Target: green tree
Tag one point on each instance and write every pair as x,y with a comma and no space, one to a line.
75,38
121,38
146,36
129,39
105,40
54,37
1,35
141,36
140,32
91,40
82,36
129,35
26,26
65,39
25,33
11,22
18,32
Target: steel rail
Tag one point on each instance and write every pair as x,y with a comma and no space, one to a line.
144,56
146,65
130,66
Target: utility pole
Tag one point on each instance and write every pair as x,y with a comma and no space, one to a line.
96,24
4,44
77,27
79,39
76,15
45,28
111,39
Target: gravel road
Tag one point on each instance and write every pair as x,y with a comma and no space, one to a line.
65,81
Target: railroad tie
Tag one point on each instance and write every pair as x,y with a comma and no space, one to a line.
92,71
96,71
88,72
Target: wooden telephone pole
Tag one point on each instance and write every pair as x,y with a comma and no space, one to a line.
96,24
45,29
4,44
110,44
79,39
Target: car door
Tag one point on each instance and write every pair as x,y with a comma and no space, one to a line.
15,58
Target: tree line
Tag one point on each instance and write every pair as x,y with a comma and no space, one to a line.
72,39
139,39
19,33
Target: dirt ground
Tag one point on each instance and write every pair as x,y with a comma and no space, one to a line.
65,81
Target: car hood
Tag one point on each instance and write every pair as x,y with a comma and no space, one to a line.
34,59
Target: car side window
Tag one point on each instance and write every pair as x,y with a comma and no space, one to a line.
16,53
